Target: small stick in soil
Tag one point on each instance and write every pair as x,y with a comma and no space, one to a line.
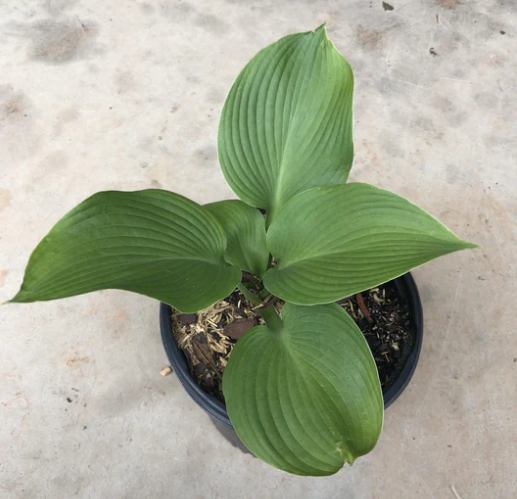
362,307
264,303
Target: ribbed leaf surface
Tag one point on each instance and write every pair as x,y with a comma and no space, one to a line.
286,125
307,399
332,242
245,230
152,242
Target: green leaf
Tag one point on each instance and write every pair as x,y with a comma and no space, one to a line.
246,234
286,125
308,398
152,242
335,241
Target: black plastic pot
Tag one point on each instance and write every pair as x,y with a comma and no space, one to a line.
409,293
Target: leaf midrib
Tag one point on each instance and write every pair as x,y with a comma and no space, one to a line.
280,266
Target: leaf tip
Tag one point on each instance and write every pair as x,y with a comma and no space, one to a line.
322,28
14,299
23,296
468,245
346,455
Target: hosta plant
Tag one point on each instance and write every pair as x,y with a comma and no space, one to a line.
302,391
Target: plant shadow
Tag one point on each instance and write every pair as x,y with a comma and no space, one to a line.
230,435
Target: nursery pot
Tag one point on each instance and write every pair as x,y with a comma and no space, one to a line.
409,294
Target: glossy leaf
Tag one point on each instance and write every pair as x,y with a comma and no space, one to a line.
246,234
286,125
306,399
152,242
335,241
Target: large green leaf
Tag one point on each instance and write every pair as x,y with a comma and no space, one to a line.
334,241
286,125
306,399
151,242
246,234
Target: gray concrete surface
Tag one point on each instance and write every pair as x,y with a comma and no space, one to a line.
99,95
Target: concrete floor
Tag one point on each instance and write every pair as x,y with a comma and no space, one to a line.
99,95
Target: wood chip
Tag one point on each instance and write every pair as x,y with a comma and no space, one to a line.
237,329
203,354
205,344
188,318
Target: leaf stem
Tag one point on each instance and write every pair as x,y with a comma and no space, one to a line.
255,300
270,315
